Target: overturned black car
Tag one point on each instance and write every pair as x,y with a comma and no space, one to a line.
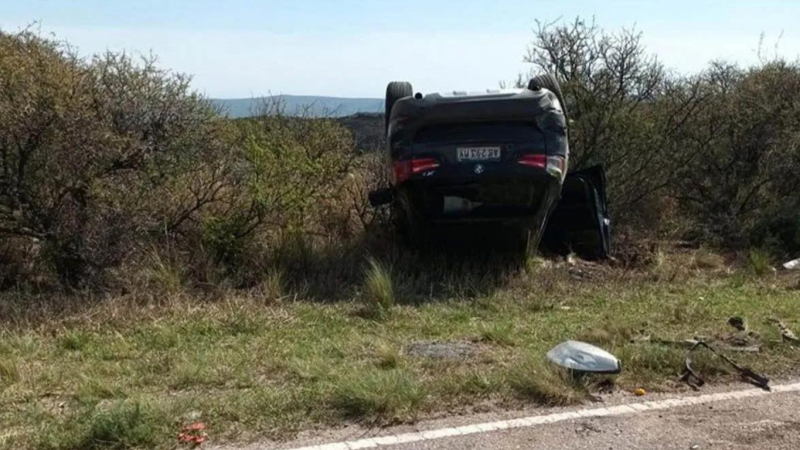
498,157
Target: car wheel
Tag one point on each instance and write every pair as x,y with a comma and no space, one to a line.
549,82
394,92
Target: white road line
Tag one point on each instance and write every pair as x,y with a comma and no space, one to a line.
525,422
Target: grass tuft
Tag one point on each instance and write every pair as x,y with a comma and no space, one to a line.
760,261
272,288
388,357
379,396
379,292
74,340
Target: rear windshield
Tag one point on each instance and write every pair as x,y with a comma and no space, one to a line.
498,131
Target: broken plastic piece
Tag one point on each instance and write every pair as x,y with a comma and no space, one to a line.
584,357
792,265
690,376
786,333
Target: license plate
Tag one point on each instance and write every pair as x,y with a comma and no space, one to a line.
478,153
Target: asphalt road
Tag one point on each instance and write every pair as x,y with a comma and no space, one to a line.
761,421
771,422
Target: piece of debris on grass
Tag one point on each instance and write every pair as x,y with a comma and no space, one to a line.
691,377
582,357
786,333
193,434
735,343
792,265
640,392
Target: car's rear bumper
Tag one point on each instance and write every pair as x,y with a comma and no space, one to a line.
481,192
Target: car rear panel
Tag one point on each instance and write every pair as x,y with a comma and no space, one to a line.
445,133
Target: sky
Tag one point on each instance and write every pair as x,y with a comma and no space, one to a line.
352,48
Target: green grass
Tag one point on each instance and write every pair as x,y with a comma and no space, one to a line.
124,375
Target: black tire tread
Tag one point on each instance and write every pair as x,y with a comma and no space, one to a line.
394,92
549,82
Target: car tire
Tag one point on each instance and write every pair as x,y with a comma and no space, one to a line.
394,92
549,82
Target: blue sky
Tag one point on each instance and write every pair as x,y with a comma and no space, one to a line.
350,48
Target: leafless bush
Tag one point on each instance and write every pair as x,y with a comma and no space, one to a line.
627,111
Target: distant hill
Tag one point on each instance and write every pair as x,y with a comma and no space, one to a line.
318,106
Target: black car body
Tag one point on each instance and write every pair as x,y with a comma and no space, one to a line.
495,157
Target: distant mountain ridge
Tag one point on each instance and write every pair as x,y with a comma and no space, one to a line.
295,104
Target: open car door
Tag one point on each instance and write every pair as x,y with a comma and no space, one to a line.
580,221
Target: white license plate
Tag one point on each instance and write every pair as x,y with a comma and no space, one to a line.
478,153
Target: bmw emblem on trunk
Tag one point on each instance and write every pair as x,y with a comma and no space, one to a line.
479,169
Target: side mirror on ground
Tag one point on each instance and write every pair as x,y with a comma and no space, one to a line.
583,357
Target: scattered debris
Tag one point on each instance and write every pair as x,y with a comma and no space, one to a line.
443,350
640,392
792,265
736,343
786,333
193,434
738,323
690,376
583,357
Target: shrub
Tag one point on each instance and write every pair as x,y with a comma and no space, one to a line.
99,154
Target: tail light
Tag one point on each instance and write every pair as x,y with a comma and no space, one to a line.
554,165
539,161
404,169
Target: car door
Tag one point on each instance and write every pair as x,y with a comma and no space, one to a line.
580,223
